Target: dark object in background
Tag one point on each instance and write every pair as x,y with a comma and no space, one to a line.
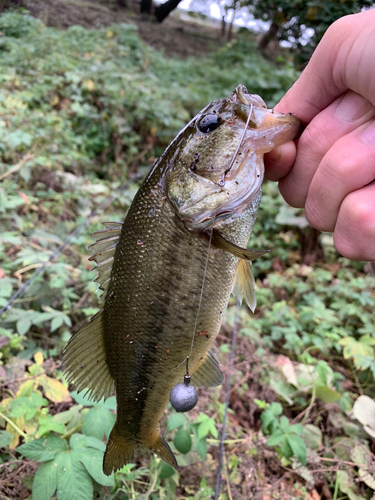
146,6
162,11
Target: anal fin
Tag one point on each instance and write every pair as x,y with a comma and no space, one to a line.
244,285
208,373
84,361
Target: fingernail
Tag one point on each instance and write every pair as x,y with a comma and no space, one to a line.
368,134
352,106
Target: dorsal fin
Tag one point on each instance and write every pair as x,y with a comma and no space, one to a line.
105,247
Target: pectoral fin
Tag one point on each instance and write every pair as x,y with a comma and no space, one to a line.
208,373
219,241
244,285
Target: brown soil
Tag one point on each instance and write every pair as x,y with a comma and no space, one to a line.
174,36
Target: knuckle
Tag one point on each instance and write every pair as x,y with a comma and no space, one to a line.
316,215
354,235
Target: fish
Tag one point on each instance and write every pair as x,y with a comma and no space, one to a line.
168,270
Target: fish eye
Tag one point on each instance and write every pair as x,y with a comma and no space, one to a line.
209,123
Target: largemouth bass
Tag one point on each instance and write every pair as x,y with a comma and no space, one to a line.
168,271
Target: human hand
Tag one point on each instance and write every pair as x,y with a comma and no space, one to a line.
332,171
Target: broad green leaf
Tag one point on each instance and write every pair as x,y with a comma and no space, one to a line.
73,481
56,323
285,448
166,471
298,447
312,436
182,441
354,348
23,325
81,441
327,394
43,449
175,421
206,427
48,424
45,481
5,438
93,461
200,444
98,421
67,416
275,438
81,399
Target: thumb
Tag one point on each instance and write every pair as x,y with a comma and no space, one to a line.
344,59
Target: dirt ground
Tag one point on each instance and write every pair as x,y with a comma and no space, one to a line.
174,36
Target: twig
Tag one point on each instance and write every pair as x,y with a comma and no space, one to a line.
17,166
270,488
152,486
227,477
15,426
336,486
80,302
5,464
338,460
308,409
71,431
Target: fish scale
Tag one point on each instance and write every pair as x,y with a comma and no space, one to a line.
168,286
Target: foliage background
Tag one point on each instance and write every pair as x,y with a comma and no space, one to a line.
83,112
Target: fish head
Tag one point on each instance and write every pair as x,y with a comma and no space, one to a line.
216,169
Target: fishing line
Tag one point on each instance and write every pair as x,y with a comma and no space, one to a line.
226,405
222,181
66,242
199,308
201,296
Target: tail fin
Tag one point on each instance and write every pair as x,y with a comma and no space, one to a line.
120,451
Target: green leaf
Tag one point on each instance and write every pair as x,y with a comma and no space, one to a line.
93,461
275,438
98,422
5,438
207,426
23,325
48,424
73,480
81,399
354,348
45,481
175,421
327,394
298,447
182,441
81,441
43,449
200,444
166,471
